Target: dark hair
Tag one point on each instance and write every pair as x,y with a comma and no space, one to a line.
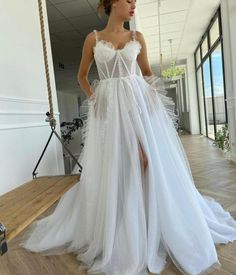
104,5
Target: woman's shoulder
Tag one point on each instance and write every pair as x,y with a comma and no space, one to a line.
91,35
89,41
139,34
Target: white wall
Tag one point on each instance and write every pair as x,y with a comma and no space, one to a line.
228,11
23,96
192,93
68,105
135,21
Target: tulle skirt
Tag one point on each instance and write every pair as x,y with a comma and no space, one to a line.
122,219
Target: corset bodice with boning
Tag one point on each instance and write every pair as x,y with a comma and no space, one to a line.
116,63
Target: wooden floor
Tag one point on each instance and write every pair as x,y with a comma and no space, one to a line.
214,176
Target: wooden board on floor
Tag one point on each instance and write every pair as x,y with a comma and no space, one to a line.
22,205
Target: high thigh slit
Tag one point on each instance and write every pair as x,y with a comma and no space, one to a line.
143,157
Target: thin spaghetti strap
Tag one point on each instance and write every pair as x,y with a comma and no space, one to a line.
133,34
96,36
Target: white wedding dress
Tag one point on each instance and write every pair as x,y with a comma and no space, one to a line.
119,218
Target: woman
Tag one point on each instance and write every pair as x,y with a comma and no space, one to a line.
136,204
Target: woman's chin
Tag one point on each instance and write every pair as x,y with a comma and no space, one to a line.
128,18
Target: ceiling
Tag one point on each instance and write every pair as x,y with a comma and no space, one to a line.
183,21
69,23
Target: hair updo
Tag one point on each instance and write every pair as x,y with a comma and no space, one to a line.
104,5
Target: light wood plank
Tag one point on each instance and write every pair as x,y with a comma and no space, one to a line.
21,206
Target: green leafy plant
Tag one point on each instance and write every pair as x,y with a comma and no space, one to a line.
173,71
68,128
222,138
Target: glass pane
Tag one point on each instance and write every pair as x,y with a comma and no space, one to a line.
218,84
208,98
201,102
198,57
204,46
214,32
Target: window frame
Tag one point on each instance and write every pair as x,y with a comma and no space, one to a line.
211,48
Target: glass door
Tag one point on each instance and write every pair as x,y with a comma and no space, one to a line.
208,99
218,87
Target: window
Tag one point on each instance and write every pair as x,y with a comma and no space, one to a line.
198,57
210,79
208,98
201,102
218,87
214,32
205,46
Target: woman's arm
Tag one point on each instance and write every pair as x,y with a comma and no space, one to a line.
85,64
142,58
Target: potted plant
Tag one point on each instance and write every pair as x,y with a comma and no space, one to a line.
68,128
222,139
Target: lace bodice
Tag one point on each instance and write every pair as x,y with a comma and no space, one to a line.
115,63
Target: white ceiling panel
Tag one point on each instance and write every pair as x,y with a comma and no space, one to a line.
165,19
183,21
60,26
48,3
151,9
173,27
74,8
167,28
85,31
93,3
71,44
165,36
70,35
60,1
172,6
173,17
165,46
54,14
85,21
165,50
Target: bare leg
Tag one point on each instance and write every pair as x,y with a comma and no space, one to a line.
143,157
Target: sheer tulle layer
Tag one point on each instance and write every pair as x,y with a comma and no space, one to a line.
120,219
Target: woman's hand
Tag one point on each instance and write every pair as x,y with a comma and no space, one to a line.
92,97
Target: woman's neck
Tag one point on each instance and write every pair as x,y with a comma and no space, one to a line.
115,25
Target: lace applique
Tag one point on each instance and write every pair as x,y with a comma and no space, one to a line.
131,49
110,45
